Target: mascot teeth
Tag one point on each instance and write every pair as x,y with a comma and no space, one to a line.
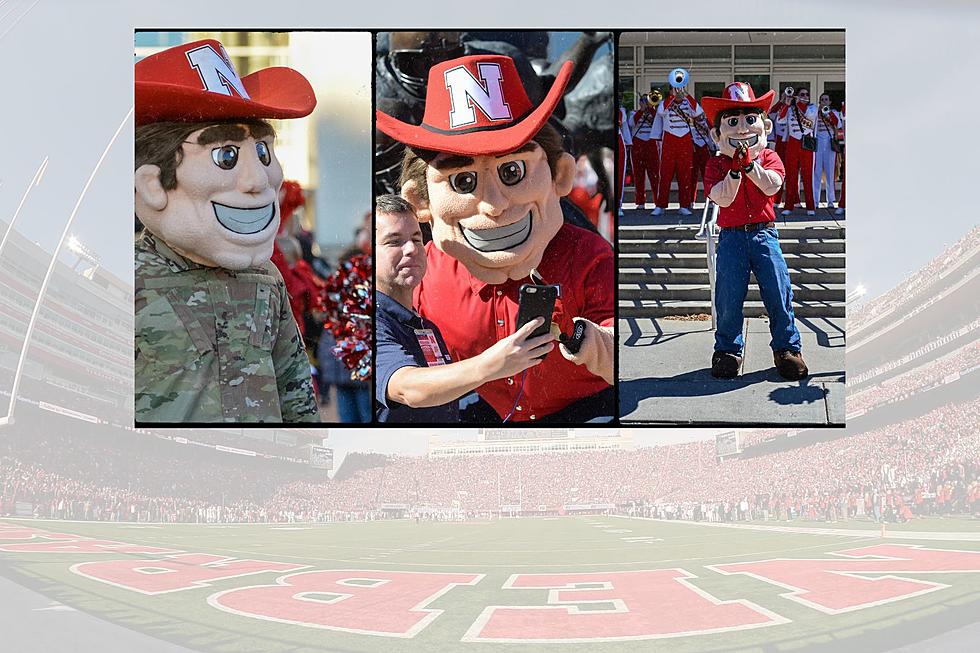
498,239
244,221
747,142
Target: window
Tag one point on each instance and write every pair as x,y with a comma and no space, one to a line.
783,53
682,55
759,83
627,92
747,54
627,55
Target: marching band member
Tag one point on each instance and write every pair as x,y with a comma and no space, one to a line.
646,157
843,168
675,115
824,159
625,143
704,147
778,140
799,116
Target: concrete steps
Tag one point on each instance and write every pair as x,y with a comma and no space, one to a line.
695,292
692,246
662,275
663,270
657,308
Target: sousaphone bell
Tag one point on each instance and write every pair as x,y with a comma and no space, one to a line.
678,78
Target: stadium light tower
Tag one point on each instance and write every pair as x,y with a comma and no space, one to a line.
856,294
83,253
9,417
35,181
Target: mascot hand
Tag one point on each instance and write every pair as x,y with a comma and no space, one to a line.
736,165
596,352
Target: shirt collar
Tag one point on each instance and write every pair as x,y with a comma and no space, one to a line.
486,290
395,310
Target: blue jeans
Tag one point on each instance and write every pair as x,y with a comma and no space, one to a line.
354,404
758,251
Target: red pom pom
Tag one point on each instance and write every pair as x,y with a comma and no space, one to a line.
348,302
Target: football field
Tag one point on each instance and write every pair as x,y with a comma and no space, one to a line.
591,583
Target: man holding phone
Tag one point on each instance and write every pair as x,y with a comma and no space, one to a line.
418,382
486,170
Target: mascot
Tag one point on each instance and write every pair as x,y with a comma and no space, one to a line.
743,180
486,171
216,340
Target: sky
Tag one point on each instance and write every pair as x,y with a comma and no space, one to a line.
908,104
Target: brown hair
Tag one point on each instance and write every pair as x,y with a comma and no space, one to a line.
735,111
416,160
160,143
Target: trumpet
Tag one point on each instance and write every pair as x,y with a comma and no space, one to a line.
825,111
789,91
678,78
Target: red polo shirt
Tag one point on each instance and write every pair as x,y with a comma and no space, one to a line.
473,315
751,204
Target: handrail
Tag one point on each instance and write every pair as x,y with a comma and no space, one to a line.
709,232
702,230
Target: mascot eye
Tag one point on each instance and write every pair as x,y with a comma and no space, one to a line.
750,120
262,149
511,172
733,122
463,183
225,157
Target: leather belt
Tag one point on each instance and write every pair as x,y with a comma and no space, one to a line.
753,226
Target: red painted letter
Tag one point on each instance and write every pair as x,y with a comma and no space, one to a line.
390,603
175,573
841,584
628,605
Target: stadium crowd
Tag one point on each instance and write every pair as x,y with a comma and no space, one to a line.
912,287
926,466
923,378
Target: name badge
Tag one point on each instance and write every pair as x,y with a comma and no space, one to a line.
430,348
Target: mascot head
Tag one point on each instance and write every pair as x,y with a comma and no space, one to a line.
485,168
739,118
207,178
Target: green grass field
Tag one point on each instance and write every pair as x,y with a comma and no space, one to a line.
498,550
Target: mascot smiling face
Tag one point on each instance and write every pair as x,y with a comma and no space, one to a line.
223,209
207,178
485,168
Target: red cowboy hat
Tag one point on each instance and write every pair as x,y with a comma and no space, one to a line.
738,95
196,82
476,105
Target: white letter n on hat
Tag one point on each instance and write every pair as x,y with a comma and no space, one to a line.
487,93
217,73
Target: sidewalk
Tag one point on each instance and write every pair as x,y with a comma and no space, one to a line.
665,376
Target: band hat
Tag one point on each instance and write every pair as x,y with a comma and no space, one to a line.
197,82
476,105
737,95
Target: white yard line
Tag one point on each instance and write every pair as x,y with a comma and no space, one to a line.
844,532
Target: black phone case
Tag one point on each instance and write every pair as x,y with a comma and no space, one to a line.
536,301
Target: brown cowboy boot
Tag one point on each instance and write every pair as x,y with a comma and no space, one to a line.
790,364
725,365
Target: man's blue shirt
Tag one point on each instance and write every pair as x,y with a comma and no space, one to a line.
398,346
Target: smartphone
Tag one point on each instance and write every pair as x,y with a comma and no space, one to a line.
536,301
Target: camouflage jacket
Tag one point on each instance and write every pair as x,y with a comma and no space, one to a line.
214,345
